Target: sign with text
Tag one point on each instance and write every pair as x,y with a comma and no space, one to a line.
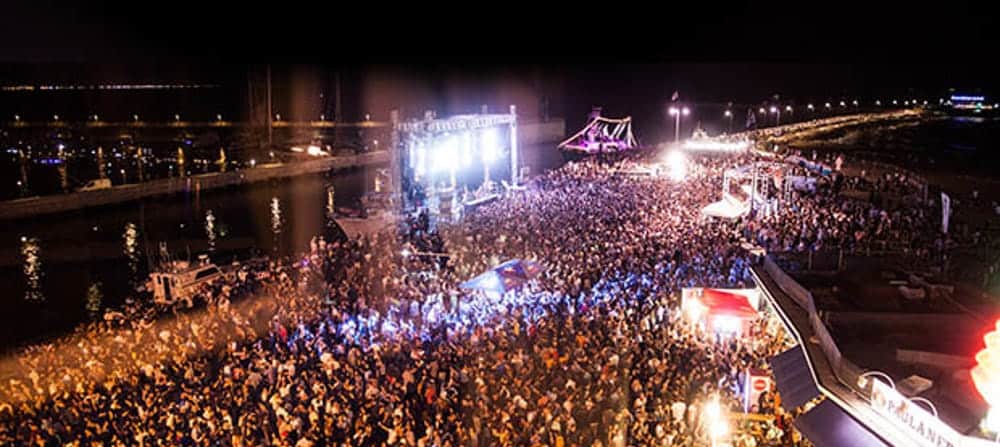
918,423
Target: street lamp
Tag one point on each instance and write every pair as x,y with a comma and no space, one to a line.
843,104
827,105
729,114
777,111
676,113
810,107
878,103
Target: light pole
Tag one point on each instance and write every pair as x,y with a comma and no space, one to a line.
777,111
729,114
676,113
790,111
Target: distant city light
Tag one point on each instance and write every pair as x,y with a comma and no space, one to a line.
727,113
828,105
710,145
55,117
810,107
774,109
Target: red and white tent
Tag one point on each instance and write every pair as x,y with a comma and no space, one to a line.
727,311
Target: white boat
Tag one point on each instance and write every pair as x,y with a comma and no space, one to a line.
179,280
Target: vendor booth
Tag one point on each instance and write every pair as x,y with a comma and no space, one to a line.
726,312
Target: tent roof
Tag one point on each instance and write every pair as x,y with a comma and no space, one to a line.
727,303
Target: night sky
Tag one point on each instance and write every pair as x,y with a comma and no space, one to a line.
611,55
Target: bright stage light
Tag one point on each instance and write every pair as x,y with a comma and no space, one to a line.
488,145
421,166
466,149
446,155
676,165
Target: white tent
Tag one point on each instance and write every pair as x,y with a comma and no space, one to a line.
727,208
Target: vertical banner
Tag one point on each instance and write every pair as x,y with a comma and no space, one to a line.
757,382
945,212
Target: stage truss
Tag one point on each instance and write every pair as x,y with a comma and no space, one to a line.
602,135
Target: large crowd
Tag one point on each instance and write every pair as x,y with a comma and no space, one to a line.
371,342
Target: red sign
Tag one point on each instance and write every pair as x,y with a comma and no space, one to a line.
759,384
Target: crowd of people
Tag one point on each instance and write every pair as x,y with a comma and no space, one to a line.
362,342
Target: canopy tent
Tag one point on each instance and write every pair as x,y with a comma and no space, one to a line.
728,208
509,275
719,302
725,311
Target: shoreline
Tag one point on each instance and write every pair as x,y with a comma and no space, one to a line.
42,205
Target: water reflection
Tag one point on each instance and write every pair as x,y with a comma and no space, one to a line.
62,169
181,171
22,185
222,160
210,229
140,156
94,299
102,169
31,253
331,209
276,221
131,247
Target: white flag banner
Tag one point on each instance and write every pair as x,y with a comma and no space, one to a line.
945,212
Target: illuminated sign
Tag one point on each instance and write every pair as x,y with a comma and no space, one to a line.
968,98
986,374
918,423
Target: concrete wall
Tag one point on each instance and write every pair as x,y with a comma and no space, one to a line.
66,202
